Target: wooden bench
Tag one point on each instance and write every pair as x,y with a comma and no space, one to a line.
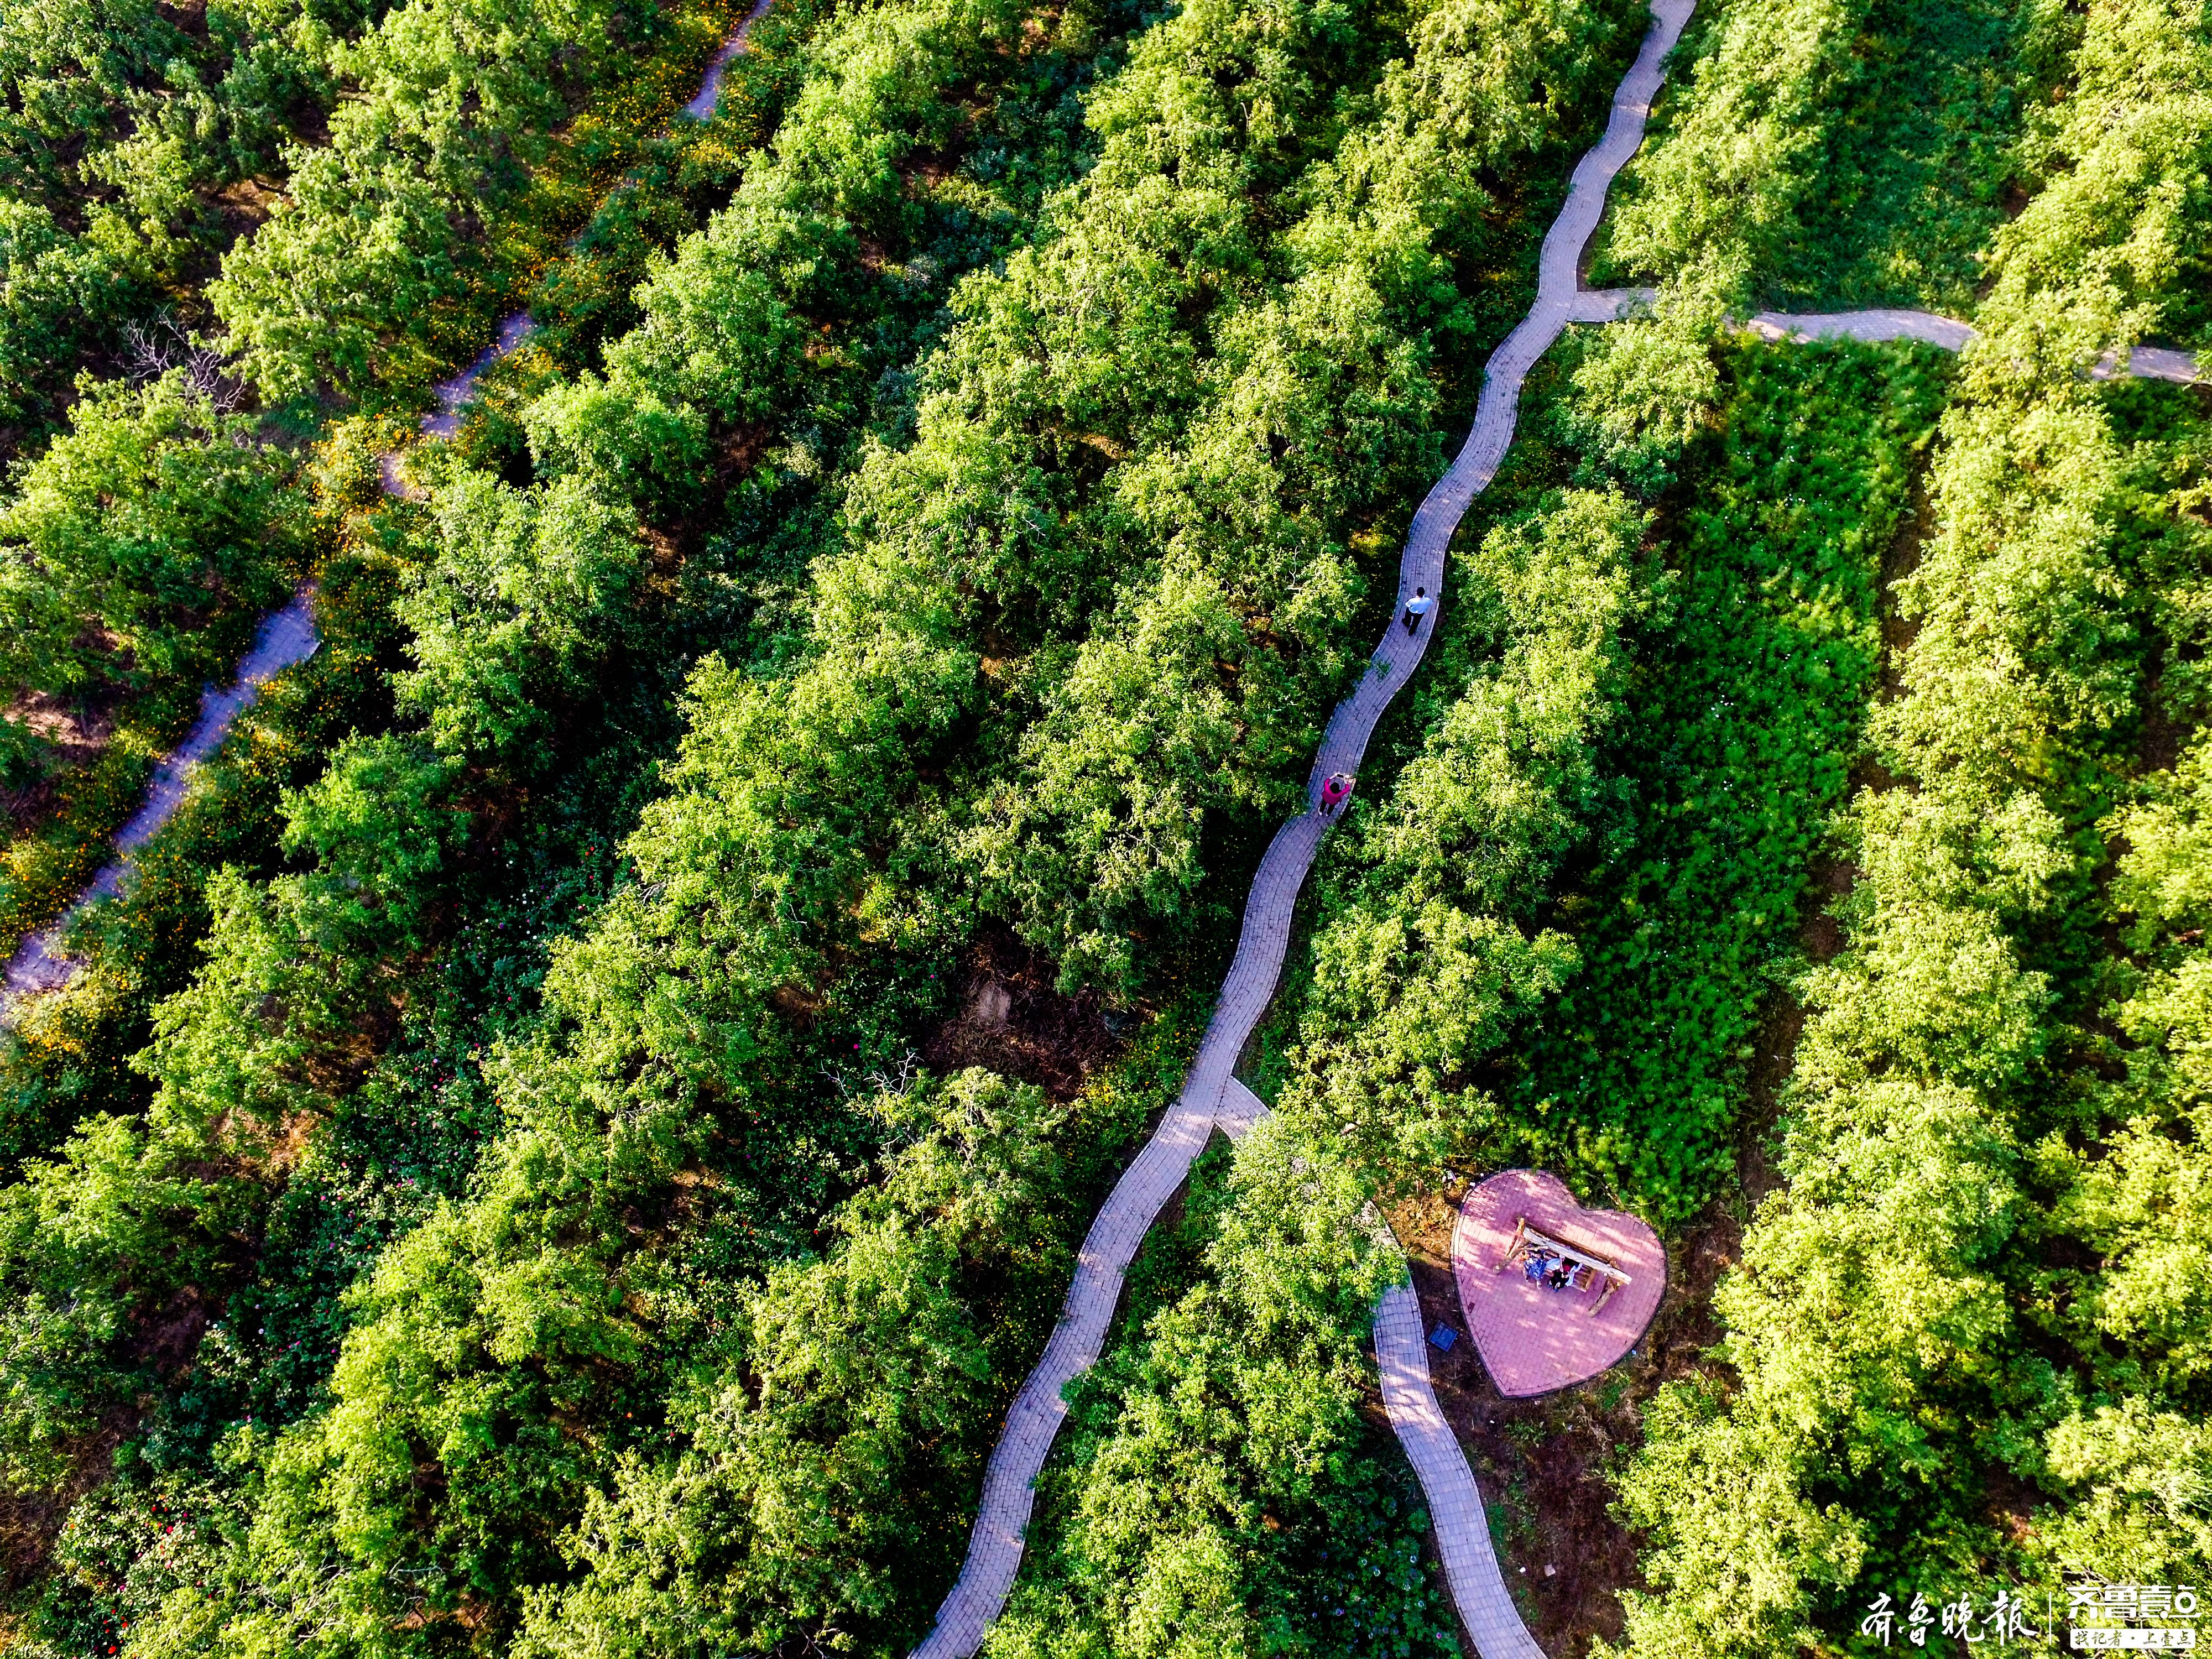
1583,1268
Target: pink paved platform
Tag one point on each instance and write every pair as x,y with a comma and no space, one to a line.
1535,1340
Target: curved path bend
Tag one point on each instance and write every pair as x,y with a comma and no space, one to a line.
1210,1097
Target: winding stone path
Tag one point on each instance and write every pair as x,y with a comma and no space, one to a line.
1461,1525
1212,1098
1210,1094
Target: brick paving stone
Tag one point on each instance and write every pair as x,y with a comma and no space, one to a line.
1534,1339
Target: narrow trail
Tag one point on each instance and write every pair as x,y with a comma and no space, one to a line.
1889,323
451,395
287,636
1213,1098
2144,362
994,1548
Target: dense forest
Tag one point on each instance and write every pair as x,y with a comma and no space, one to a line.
570,1139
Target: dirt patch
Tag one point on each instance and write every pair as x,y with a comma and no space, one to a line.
30,1522
740,449
1541,1463
169,1336
78,728
1780,1024
1820,935
2159,744
1010,1018
245,206
919,175
1916,527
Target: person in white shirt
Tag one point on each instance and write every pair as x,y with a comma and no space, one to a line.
1418,607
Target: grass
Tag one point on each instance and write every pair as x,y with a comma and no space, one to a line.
1733,745
1911,178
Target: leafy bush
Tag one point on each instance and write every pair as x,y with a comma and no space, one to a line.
1967,1286
152,511
126,160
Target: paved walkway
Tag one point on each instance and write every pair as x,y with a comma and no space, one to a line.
1210,1094
1455,1510
2145,362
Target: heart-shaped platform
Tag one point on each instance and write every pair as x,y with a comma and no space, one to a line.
1536,1337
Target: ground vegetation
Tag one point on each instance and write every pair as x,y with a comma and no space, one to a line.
483,1178
1955,1355
484,1192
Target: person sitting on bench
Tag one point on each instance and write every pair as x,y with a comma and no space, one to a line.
1556,1266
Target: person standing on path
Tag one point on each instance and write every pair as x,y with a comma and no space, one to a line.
1334,793
1418,607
